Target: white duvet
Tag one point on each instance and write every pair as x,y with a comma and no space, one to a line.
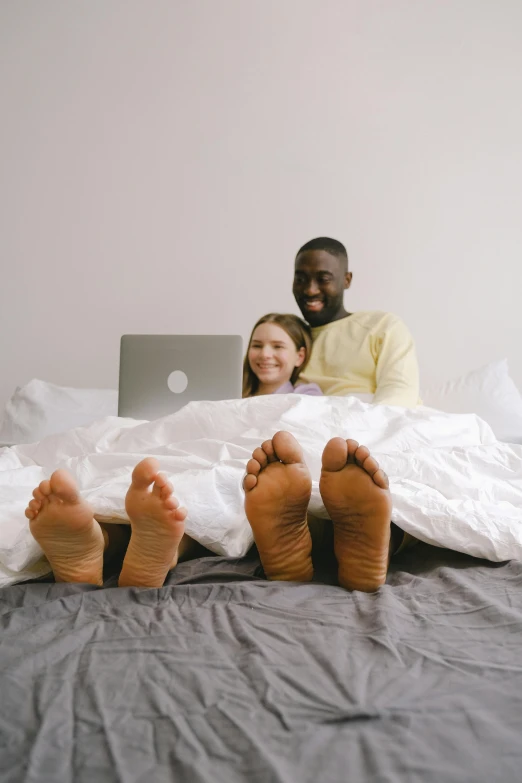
453,484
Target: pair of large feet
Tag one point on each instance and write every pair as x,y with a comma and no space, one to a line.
74,542
355,494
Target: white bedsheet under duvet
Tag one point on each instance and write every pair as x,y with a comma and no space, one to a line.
453,484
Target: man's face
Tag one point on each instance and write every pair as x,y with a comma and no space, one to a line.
319,284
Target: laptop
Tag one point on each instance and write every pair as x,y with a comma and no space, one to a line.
160,373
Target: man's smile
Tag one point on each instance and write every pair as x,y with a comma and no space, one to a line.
314,304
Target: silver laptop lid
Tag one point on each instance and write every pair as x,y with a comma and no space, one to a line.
160,373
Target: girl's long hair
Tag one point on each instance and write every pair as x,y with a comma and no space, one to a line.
299,332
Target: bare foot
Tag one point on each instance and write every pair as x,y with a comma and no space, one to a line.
356,495
64,526
277,493
157,524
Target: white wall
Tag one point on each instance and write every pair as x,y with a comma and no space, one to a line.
163,161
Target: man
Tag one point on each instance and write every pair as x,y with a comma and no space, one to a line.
363,352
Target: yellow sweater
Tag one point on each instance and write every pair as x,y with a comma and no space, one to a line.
369,352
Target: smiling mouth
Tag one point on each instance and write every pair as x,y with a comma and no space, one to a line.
314,305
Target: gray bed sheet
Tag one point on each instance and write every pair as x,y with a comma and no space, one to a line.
223,676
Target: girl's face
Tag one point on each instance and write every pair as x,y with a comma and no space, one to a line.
272,355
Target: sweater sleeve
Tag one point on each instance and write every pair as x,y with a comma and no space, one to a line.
397,369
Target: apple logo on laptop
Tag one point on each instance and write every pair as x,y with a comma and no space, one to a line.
177,381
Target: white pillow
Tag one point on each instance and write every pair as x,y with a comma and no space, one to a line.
39,409
490,392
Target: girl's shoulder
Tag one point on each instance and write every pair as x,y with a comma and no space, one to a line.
308,388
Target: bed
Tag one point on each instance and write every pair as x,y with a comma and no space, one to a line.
223,676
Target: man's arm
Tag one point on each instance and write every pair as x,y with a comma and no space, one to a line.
397,369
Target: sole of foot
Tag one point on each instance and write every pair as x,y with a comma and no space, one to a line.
157,524
277,492
64,526
356,494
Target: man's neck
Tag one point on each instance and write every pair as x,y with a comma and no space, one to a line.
340,315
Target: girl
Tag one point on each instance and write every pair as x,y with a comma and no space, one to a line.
279,350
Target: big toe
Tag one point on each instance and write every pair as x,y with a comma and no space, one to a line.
64,486
287,448
335,454
145,472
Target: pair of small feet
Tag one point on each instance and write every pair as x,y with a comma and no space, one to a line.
74,542
356,496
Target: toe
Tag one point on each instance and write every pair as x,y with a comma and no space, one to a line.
370,465
35,506
145,473
64,486
181,513
45,487
260,456
381,479
361,455
268,448
160,483
352,446
253,467
160,480
335,454
287,449
166,491
29,514
38,494
249,482
171,502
